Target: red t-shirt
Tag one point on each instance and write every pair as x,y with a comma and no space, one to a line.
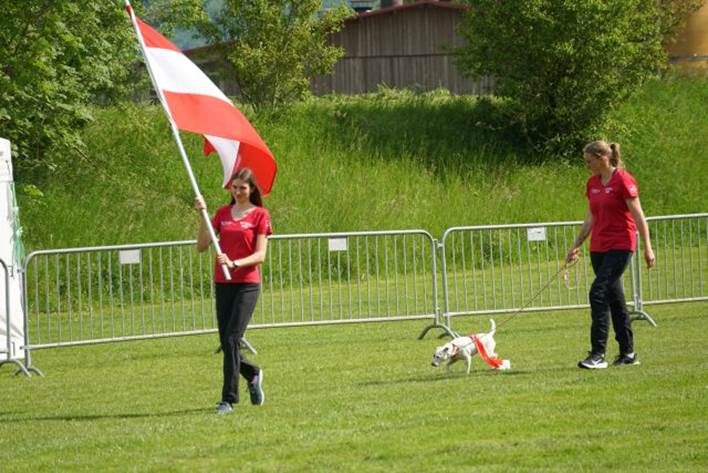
613,226
237,239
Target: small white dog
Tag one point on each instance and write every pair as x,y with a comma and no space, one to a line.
464,348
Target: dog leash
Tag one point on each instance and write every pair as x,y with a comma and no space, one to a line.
563,270
566,277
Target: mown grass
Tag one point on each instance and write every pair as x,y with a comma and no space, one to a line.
390,160
364,398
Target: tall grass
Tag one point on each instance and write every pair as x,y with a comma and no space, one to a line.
388,160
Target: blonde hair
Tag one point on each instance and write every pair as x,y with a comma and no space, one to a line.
601,148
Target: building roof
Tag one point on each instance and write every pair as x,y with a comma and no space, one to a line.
443,4
407,6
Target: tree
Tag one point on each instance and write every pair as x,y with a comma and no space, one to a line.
272,47
563,65
57,57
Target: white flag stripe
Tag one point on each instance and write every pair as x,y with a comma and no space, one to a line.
174,72
228,151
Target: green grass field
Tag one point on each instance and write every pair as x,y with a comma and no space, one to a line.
364,398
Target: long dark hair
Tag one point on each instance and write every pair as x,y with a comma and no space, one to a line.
246,175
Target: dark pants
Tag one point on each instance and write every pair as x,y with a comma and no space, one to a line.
606,295
234,307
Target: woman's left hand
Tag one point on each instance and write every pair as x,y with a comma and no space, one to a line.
649,257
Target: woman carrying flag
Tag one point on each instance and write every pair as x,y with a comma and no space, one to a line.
243,227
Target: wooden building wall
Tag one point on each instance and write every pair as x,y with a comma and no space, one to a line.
402,47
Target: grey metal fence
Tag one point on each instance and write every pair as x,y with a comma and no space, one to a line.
490,269
680,243
95,294
503,268
348,277
101,294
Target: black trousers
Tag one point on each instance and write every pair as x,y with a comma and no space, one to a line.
606,295
234,307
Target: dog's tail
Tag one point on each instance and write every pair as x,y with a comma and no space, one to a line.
494,327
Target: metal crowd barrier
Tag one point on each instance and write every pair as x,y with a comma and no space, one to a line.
491,269
102,294
500,268
348,278
680,243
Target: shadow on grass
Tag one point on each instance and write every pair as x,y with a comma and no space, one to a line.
7,417
438,377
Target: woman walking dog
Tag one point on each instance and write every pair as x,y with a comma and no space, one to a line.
243,227
614,216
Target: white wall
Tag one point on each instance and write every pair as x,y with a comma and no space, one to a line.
7,224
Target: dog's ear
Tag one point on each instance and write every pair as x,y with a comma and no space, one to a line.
454,350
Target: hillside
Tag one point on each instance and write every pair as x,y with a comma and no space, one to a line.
391,160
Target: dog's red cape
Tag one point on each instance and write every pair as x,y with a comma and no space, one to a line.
495,363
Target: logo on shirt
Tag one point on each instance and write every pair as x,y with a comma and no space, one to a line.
608,190
594,190
246,225
632,189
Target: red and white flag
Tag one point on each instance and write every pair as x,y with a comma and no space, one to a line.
195,104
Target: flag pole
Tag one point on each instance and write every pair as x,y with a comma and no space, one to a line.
178,139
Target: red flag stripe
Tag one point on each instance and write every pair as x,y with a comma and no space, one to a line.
263,165
153,39
211,116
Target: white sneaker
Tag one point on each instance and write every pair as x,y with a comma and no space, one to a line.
255,389
224,408
593,362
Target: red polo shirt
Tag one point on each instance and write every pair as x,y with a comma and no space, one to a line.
237,239
613,226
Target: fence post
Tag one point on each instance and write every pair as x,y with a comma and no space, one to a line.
635,277
438,246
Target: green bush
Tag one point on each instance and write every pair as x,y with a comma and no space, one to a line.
563,65
57,59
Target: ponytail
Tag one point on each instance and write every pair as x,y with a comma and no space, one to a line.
615,156
601,148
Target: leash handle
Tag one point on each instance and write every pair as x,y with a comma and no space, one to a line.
566,275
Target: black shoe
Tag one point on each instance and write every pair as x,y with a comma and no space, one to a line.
626,359
255,389
593,362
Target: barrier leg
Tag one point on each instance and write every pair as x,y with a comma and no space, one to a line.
20,367
244,345
436,324
635,276
641,315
